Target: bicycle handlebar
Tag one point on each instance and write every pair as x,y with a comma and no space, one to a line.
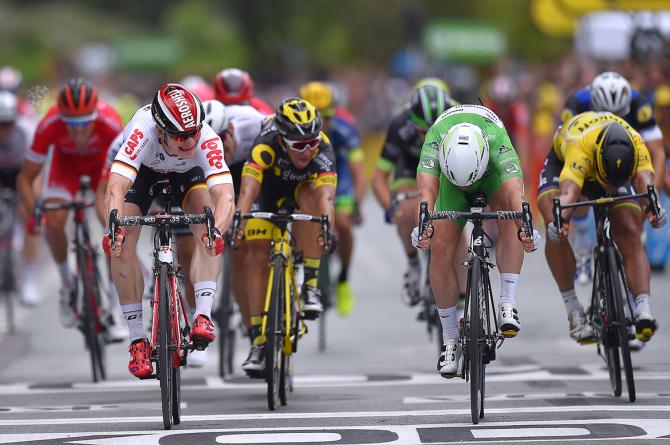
606,201
79,202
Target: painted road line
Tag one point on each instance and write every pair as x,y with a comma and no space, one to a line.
262,438
499,433
338,415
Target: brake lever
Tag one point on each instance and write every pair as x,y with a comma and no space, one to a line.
209,225
113,225
423,218
653,201
558,221
235,227
527,219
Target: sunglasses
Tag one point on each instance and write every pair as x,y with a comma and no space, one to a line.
74,122
184,136
301,146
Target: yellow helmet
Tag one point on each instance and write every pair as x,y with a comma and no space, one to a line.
320,95
662,96
432,81
298,119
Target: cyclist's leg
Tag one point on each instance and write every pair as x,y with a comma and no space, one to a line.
443,276
405,221
306,235
509,256
559,255
344,210
626,230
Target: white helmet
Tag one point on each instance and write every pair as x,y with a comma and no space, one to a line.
611,92
464,154
8,106
10,79
215,115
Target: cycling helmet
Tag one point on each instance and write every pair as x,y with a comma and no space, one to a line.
8,107
320,95
464,154
233,86
215,115
10,79
433,81
611,92
177,110
502,89
426,105
297,119
78,98
199,86
616,157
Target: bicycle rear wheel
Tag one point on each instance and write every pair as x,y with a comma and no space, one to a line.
176,395
621,324
474,346
273,343
325,287
164,368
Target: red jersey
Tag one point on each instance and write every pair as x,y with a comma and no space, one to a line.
261,106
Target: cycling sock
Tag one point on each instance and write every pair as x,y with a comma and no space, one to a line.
413,259
65,274
449,320
133,315
570,300
642,304
312,271
204,297
344,273
255,329
508,285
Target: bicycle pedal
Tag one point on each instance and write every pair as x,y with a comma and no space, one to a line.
588,341
509,333
198,345
309,315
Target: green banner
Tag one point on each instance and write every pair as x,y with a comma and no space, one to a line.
149,52
460,41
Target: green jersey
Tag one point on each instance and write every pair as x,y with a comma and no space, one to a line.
503,160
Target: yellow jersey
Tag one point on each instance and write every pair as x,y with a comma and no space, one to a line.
575,145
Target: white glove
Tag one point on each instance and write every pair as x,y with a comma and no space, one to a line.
662,217
415,237
552,232
537,239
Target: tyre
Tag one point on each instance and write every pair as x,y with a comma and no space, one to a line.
273,342
90,321
474,345
621,323
325,287
164,366
176,395
285,379
605,318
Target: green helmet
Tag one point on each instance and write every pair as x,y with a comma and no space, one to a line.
427,103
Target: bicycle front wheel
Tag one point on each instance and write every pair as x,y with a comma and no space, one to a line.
164,368
474,346
604,319
621,323
273,343
90,318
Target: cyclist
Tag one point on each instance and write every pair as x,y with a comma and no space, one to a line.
611,92
467,151
168,140
200,87
79,128
16,135
10,80
292,164
350,191
235,87
593,155
400,159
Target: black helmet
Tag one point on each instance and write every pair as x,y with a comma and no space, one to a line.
298,119
427,103
616,157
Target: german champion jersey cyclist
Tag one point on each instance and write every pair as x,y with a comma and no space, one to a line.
467,151
595,155
292,165
168,140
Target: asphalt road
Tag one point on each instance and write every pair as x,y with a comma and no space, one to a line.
376,383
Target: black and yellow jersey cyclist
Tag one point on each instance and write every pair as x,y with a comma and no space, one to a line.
593,155
291,166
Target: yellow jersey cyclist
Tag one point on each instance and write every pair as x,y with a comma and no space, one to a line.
399,160
467,152
350,191
291,165
593,155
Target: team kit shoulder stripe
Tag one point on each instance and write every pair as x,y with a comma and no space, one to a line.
124,165
478,110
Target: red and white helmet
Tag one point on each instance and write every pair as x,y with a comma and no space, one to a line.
177,110
233,86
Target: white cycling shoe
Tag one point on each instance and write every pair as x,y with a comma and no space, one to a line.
508,320
449,359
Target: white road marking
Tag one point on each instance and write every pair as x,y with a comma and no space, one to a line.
498,433
337,415
279,438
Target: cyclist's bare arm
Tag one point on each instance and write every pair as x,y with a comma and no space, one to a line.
224,205
380,187
429,186
115,196
325,196
24,183
249,190
658,156
512,190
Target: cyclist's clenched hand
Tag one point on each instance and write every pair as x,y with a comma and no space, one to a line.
215,247
660,221
556,235
530,243
115,250
422,242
